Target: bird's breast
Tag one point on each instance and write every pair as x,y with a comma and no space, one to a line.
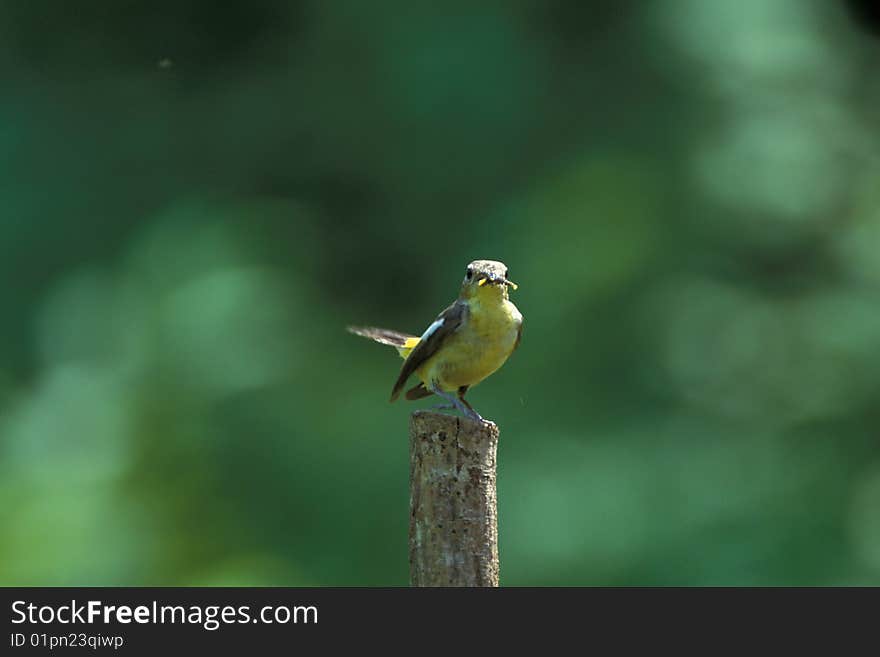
479,347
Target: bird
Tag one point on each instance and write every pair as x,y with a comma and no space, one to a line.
468,341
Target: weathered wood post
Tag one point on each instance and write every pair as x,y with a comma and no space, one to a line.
453,525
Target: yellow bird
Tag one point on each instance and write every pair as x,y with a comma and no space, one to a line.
466,343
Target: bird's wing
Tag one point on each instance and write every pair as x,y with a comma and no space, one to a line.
431,341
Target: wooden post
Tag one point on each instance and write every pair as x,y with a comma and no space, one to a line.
453,524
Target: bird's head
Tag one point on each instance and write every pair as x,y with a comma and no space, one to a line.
485,279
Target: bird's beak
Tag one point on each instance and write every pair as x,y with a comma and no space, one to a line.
496,281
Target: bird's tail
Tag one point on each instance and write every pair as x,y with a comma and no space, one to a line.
403,342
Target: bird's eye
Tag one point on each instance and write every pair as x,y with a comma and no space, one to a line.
505,273
470,273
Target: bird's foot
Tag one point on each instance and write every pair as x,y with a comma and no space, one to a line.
468,413
457,403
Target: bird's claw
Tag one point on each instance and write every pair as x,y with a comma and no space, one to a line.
457,403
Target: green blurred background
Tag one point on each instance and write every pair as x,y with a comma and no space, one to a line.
197,197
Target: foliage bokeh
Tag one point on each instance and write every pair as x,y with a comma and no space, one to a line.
197,197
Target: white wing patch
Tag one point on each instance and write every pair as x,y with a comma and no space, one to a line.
431,329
